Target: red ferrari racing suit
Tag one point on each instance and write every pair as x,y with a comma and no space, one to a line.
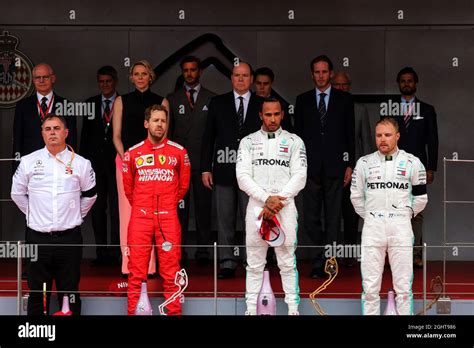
155,178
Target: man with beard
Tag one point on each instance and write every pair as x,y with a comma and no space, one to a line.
271,169
155,177
188,115
388,189
418,136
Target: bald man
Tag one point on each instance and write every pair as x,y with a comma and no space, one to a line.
363,146
30,112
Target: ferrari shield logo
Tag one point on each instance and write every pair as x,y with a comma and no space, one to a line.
162,159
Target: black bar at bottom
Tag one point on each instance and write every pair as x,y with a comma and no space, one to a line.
237,330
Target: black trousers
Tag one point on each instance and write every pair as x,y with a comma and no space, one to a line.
55,262
322,193
230,203
350,217
106,185
202,212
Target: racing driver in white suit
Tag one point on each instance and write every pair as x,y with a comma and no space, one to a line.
271,169
388,189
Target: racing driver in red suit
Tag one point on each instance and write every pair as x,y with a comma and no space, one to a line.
156,176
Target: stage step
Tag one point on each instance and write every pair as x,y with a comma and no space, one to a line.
225,306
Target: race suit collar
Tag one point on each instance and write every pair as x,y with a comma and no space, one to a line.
392,157
155,146
271,135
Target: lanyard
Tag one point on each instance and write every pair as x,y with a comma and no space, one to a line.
108,116
43,114
68,165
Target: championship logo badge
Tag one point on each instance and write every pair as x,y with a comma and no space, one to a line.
16,77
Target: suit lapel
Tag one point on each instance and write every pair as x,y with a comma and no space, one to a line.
332,98
232,103
188,111
55,101
251,110
98,112
183,97
198,105
314,102
188,121
312,106
34,107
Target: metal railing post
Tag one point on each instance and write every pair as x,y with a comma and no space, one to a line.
18,277
424,278
215,278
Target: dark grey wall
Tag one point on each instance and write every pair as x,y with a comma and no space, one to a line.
368,33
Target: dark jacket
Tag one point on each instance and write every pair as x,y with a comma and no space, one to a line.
330,150
187,125
222,138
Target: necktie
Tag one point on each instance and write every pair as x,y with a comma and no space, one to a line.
407,117
322,108
192,91
240,114
107,112
44,105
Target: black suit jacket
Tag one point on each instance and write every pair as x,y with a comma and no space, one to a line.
27,126
96,139
221,138
330,150
421,136
187,125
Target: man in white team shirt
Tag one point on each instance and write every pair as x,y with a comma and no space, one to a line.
388,189
271,169
55,188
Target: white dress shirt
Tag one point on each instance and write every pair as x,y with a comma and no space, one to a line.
327,93
50,197
246,101
197,88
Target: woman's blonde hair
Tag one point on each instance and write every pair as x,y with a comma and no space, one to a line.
146,64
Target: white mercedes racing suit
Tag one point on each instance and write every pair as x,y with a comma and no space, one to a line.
387,192
271,164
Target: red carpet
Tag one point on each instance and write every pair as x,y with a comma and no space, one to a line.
97,281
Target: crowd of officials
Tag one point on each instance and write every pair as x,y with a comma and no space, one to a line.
210,126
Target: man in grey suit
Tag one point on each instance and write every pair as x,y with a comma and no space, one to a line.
363,146
188,115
